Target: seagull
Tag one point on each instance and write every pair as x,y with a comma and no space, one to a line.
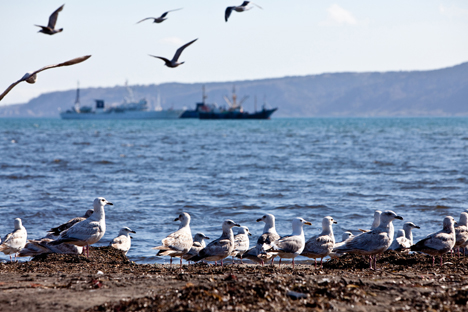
344,237
31,77
376,222
290,246
160,19
461,232
15,241
50,29
407,227
123,241
221,247
173,63
269,236
438,243
401,242
373,242
43,246
198,244
241,242
178,243
89,231
54,233
240,8
321,245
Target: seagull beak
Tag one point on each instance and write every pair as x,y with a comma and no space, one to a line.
133,232
258,220
236,224
416,227
399,218
206,237
335,222
307,222
131,237
108,203
250,234
176,219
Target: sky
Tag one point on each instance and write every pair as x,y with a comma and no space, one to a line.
283,38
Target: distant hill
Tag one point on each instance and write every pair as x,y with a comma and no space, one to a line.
442,92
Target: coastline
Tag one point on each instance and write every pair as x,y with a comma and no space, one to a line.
108,281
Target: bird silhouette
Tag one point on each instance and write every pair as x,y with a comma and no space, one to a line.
160,19
173,63
50,28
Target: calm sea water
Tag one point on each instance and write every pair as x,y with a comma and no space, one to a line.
51,170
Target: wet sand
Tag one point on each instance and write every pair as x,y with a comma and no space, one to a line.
74,283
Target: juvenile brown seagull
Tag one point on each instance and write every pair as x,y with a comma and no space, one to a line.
31,77
173,63
50,29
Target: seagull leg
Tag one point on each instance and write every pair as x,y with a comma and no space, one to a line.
321,263
222,264
370,262
242,262
315,263
279,264
293,263
181,263
273,260
433,260
375,262
441,260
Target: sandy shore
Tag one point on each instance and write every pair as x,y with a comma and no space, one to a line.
107,281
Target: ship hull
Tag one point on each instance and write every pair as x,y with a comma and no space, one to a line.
264,114
126,115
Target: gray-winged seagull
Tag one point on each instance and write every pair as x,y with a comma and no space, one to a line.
54,232
321,245
15,241
173,63
50,28
160,19
241,242
123,241
198,244
269,236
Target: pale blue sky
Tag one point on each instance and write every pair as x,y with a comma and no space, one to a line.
286,38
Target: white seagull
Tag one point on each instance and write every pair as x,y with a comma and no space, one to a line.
198,244
373,242
178,243
50,28
123,241
438,243
160,19
376,221
269,236
408,227
241,242
401,242
344,237
290,246
220,248
31,77
321,245
15,241
240,8
89,231
461,232
42,246
174,62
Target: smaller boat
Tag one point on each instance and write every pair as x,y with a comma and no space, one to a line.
200,107
235,110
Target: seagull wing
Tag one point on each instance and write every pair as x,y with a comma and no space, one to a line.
227,13
162,58
165,13
53,17
9,89
180,50
245,3
146,19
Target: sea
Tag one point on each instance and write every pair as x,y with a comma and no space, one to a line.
51,170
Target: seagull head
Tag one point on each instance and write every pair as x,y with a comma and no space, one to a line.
199,237
410,225
327,222
244,230
184,218
346,235
268,219
449,222
126,231
100,202
229,224
388,216
18,223
463,218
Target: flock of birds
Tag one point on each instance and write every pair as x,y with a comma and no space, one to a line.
76,235
50,29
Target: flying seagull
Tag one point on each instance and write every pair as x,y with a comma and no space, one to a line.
173,63
240,8
50,29
160,19
31,77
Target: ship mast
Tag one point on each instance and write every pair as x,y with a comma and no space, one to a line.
77,99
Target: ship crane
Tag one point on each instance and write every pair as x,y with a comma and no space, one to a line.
233,103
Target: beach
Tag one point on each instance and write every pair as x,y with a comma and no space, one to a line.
108,281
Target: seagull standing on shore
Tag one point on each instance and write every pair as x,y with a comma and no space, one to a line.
31,77
321,245
123,241
198,244
438,243
401,242
408,227
290,246
241,242
461,232
54,232
178,243
344,237
220,248
160,19
269,236
173,63
15,241
89,231
373,242
50,28
240,8
376,221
